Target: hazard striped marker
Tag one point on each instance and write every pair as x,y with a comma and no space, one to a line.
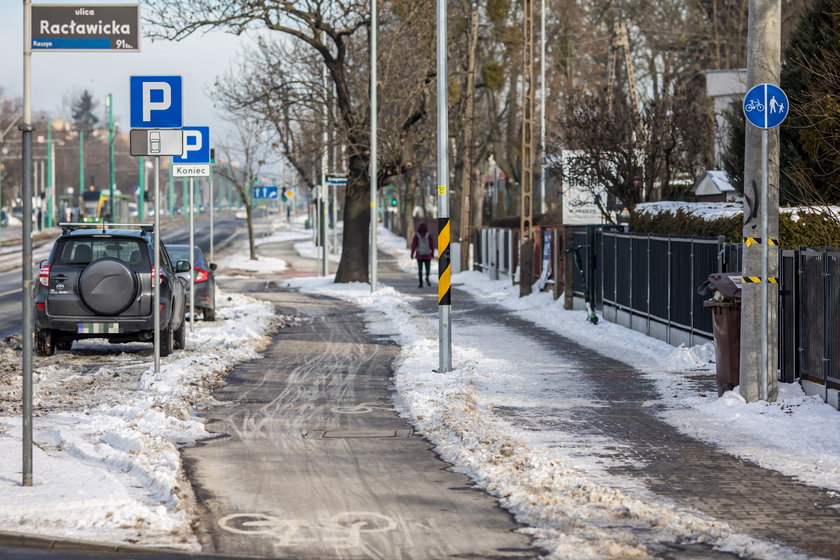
757,280
750,241
444,264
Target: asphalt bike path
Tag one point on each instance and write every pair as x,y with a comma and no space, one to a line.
691,473
309,460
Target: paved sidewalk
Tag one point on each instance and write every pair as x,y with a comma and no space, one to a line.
689,472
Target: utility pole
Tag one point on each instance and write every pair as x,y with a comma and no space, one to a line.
141,194
81,173
542,107
526,183
374,169
763,66
325,196
444,234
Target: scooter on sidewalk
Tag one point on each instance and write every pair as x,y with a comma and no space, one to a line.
575,252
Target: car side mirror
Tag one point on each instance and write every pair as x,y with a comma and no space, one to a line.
213,267
182,266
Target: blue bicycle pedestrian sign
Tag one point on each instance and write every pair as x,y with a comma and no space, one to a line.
766,106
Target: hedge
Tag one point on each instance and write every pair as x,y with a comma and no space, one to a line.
811,229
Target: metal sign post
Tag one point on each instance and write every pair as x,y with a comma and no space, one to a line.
765,107
26,129
156,273
161,113
444,269
192,254
374,170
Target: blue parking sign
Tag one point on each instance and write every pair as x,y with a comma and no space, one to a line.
156,102
196,145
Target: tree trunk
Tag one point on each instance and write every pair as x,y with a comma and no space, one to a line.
467,148
353,266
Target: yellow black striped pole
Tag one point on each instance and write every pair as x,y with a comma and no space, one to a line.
444,263
444,298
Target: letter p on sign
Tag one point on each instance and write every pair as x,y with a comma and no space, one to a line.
196,145
156,102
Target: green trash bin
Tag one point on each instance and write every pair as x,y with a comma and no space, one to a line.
726,320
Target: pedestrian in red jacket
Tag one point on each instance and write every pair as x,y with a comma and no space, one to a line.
423,249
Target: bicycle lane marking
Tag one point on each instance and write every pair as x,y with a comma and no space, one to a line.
345,529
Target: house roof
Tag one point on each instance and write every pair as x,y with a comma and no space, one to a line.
713,182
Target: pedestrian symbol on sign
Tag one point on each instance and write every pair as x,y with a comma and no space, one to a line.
766,106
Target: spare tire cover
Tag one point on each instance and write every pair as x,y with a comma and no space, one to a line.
107,286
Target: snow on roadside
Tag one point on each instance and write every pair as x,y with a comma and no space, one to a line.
571,512
107,432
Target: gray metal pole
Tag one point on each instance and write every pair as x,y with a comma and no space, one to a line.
26,170
765,200
211,212
156,275
542,107
325,197
374,170
192,253
444,269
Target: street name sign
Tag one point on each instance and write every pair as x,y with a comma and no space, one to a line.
190,169
156,142
766,106
266,192
336,178
156,102
196,145
87,27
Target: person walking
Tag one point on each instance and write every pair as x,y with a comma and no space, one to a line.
423,249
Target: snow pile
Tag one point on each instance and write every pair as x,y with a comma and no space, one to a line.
106,462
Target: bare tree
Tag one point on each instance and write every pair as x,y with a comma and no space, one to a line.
245,154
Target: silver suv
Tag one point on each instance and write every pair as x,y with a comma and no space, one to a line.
97,283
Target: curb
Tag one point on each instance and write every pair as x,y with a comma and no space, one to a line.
29,540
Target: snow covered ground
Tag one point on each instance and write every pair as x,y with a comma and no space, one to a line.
574,508
106,462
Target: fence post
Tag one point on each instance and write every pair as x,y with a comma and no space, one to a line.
668,330
720,253
691,292
630,288
556,241
649,278
568,294
828,306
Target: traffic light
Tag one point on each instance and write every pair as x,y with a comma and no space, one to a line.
283,196
212,155
393,202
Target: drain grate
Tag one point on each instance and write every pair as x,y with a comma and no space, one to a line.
358,434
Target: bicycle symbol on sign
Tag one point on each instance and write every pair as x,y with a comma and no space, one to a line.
344,531
754,105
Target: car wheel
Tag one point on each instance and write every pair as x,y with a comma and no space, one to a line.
64,344
44,342
167,341
209,314
181,336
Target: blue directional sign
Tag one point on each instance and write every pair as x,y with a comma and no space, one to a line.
266,192
156,102
196,145
766,106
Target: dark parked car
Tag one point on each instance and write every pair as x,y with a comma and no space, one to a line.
204,279
97,283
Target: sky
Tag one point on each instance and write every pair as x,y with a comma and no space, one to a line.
199,59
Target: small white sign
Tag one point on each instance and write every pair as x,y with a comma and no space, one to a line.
191,170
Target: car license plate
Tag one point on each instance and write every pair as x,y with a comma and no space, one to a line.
98,328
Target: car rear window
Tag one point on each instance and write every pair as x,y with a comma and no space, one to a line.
82,250
182,253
